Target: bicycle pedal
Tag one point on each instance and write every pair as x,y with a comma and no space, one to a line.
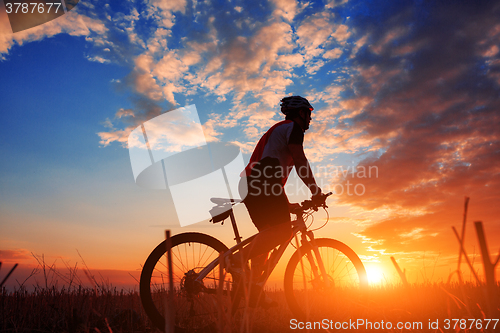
236,268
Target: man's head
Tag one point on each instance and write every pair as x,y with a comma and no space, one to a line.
298,109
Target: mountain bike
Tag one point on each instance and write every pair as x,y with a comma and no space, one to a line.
203,291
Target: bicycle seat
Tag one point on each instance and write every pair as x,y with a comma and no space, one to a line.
223,201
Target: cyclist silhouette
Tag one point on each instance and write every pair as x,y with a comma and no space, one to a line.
276,153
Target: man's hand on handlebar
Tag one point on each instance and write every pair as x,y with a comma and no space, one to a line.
319,200
316,202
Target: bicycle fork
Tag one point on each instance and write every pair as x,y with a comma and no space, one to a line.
317,266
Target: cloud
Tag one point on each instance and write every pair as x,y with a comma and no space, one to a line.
426,96
145,84
247,63
15,255
120,136
390,36
254,65
332,54
287,9
318,34
335,3
144,109
410,88
252,59
173,131
209,130
125,113
341,33
314,32
98,59
168,6
410,93
71,23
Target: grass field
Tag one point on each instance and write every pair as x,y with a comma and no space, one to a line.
63,303
82,309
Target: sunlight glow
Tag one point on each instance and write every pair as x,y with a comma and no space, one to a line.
375,275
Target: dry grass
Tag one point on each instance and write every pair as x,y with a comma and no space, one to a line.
75,310
391,303
54,300
102,308
79,309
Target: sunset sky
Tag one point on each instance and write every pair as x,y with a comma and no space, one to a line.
407,89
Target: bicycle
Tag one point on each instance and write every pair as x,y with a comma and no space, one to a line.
203,291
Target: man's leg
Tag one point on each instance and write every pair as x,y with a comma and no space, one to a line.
268,239
258,264
265,241
271,216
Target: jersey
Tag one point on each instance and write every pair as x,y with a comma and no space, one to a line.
266,175
274,146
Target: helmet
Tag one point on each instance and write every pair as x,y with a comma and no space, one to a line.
292,103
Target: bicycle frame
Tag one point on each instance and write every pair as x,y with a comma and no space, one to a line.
298,225
311,264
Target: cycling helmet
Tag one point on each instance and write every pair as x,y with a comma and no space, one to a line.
293,103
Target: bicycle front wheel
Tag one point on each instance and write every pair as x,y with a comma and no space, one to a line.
196,305
307,291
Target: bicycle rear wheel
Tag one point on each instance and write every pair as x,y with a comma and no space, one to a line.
306,292
196,306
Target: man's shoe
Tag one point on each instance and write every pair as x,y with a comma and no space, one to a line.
258,298
233,264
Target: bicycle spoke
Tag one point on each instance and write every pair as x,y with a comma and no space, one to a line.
196,303
166,268
343,269
184,268
208,258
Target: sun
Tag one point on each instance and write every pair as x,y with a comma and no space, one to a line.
375,274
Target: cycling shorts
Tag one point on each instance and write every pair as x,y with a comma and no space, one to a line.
266,200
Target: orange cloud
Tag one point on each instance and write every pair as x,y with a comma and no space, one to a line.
428,121
15,255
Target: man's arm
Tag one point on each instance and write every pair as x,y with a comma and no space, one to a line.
303,169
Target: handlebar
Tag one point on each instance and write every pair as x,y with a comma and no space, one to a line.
314,203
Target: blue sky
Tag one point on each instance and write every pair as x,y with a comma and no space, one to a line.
410,87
